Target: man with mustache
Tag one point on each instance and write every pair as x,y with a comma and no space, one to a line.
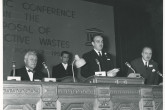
95,56
146,67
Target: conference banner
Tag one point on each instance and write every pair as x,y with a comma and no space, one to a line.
51,26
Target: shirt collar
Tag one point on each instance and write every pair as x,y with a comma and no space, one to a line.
26,68
98,51
144,62
29,69
64,64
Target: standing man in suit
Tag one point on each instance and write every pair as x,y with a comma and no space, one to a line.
63,69
28,72
95,56
146,67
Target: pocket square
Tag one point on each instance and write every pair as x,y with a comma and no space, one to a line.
150,65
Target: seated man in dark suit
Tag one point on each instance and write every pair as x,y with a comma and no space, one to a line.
146,67
63,69
97,57
28,72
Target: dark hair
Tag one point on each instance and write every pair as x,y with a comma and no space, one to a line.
65,52
95,35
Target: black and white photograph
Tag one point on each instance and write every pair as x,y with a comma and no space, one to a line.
82,55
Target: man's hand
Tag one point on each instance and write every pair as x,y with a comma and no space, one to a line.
113,72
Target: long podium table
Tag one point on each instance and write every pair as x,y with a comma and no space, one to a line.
80,96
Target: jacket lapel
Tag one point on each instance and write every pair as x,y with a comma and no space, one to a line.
26,76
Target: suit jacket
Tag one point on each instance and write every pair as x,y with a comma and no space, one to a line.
91,65
59,71
149,73
22,72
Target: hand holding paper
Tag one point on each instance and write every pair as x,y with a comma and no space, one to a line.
113,72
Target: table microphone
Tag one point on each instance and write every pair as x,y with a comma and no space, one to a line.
160,74
129,66
97,61
15,78
13,67
99,73
46,67
48,79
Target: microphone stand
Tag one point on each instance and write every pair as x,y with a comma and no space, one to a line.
13,65
98,64
129,66
73,71
99,73
159,74
15,78
132,69
46,67
48,79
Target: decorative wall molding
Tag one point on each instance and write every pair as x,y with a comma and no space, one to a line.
20,91
81,96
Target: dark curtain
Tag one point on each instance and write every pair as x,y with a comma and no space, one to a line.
138,24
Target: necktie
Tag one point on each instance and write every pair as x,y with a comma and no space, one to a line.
146,64
100,60
30,71
99,54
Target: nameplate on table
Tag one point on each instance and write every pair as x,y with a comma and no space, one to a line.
100,73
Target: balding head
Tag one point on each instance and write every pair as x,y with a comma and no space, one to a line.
146,53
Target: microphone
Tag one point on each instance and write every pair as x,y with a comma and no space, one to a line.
136,74
16,78
160,74
48,79
46,67
13,67
129,66
97,61
99,73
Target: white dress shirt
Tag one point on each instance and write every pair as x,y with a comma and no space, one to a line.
30,74
145,62
98,52
65,65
